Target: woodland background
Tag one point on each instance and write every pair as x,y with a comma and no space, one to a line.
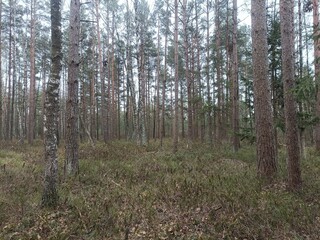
176,121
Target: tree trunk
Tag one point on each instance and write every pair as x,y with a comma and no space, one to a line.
8,105
72,114
316,44
235,81
104,120
32,97
176,81
292,139
140,34
1,96
93,120
50,194
188,79
157,107
300,73
220,124
262,97
163,101
209,100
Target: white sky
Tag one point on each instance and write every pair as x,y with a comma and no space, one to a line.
244,15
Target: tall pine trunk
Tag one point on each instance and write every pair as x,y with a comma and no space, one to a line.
32,97
104,119
1,96
316,39
72,114
266,153
176,81
235,81
292,131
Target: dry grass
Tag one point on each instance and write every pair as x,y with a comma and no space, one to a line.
127,192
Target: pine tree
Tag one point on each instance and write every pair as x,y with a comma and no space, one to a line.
262,97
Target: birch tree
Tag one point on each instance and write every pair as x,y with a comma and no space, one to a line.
50,195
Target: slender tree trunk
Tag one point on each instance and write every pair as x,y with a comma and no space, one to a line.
43,93
157,126
14,77
92,77
140,34
113,115
262,97
8,107
182,109
220,125
50,195
142,95
292,139
300,73
163,101
104,120
176,81
209,100
187,75
200,114
32,97
72,114
235,81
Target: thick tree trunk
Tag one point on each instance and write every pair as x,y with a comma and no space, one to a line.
316,39
292,131
262,97
1,96
50,194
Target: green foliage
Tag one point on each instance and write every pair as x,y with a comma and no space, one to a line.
127,192
247,135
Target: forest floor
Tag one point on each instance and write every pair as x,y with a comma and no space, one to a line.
129,192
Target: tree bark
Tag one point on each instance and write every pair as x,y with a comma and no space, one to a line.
1,96
32,97
209,99
72,126
292,139
187,75
50,195
164,80
176,81
266,154
104,120
316,46
235,81
220,95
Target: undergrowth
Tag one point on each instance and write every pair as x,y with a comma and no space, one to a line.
129,192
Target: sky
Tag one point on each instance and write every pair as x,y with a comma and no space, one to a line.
243,9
